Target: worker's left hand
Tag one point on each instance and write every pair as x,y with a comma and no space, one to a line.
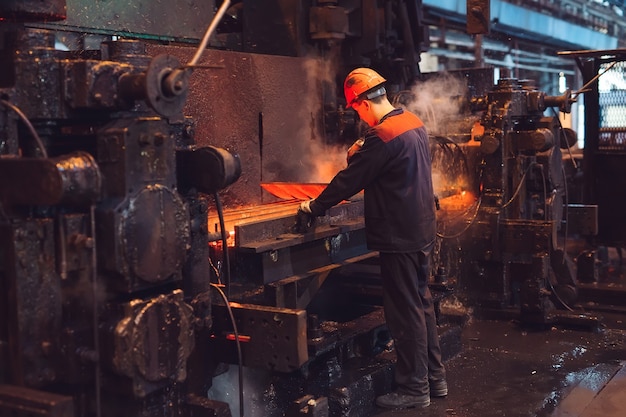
304,217
305,206
356,146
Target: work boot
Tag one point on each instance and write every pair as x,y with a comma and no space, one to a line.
438,387
397,400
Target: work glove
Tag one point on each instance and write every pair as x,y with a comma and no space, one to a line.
305,206
304,217
356,146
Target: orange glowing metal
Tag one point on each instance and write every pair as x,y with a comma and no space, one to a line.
231,336
294,190
230,241
477,131
457,202
242,338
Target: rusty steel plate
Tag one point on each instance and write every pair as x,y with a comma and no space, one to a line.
272,338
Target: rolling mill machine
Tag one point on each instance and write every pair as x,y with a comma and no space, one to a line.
148,191
505,247
118,294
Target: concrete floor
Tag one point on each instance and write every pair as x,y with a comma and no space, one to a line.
506,370
576,368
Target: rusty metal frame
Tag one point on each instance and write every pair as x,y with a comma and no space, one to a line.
270,337
297,291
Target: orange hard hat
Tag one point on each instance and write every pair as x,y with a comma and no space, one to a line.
360,81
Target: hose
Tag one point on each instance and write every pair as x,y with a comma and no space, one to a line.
207,35
475,215
226,265
471,222
95,311
28,124
239,356
225,255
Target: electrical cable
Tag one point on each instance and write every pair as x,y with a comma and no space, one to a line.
564,244
556,294
519,186
239,356
28,124
545,190
95,311
444,141
215,271
225,255
569,148
226,261
473,219
226,264
564,138
584,87
463,213
566,231
207,35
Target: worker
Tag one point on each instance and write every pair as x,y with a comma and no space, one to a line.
392,164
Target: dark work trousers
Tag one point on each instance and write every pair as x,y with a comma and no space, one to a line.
410,316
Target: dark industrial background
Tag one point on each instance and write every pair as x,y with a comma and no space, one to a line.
153,156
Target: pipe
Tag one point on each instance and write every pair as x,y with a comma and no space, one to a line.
205,40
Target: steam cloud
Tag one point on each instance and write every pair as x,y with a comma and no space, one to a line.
437,101
323,160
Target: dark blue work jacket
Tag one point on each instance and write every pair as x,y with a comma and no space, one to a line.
393,167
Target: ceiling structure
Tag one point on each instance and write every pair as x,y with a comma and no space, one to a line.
525,35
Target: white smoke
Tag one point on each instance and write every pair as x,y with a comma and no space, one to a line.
437,101
324,160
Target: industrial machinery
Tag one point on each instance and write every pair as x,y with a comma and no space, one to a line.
104,224
513,255
117,291
148,191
